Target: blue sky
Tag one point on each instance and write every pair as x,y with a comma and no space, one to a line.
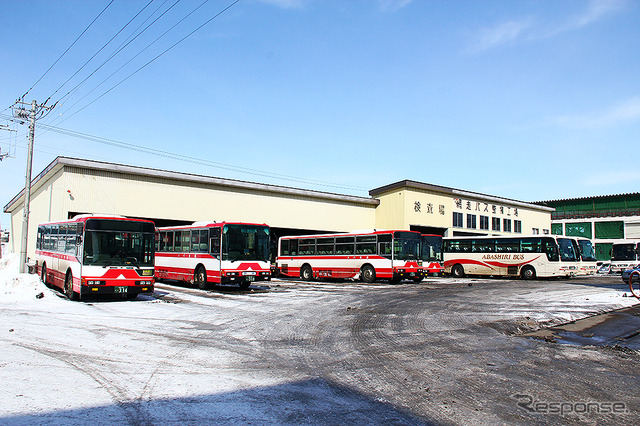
530,100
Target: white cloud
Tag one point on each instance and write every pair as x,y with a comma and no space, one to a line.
524,29
618,177
595,11
393,5
624,112
503,33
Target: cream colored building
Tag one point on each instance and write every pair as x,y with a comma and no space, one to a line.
448,211
71,186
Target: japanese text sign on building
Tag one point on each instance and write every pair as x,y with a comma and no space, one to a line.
482,207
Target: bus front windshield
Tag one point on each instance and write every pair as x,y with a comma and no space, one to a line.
623,252
406,246
245,242
587,251
567,250
431,248
118,243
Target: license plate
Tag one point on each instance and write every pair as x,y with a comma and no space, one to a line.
250,278
120,290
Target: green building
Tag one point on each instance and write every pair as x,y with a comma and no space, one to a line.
603,219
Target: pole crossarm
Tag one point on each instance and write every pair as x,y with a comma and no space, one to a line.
36,112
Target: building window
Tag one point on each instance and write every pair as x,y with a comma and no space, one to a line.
484,222
471,221
517,226
458,220
495,223
535,231
506,225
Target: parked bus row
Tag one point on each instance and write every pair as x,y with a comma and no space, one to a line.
93,254
527,257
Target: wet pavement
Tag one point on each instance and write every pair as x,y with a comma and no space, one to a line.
616,329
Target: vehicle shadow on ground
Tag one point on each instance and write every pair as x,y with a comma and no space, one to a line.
313,401
219,288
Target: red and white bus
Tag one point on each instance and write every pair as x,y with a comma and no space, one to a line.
431,255
527,257
94,254
367,255
214,253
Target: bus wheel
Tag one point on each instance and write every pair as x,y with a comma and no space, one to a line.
200,278
528,273
68,287
368,274
457,271
306,274
43,274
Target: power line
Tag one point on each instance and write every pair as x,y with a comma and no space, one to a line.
95,54
195,160
155,58
68,48
121,48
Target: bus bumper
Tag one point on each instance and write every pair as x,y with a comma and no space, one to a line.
404,275
240,279
130,290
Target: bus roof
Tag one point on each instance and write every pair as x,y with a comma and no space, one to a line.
346,234
206,224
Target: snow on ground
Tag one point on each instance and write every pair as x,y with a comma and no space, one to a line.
14,286
71,362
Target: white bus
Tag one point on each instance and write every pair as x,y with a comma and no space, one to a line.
217,253
528,257
367,255
93,254
625,254
588,261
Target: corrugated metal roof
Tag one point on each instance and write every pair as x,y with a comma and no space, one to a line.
594,197
61,162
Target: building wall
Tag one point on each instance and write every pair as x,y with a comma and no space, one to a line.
47,204
71,186
403,207
140,196
82,190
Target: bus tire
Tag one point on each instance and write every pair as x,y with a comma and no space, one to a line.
306,273
68,287
200,278
528,273
367,274
43,274
457,271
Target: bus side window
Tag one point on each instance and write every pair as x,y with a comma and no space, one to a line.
284,248
214,241
384,249
551,250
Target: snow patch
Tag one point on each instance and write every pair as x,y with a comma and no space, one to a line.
15,286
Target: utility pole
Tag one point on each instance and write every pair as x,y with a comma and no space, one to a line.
35,112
